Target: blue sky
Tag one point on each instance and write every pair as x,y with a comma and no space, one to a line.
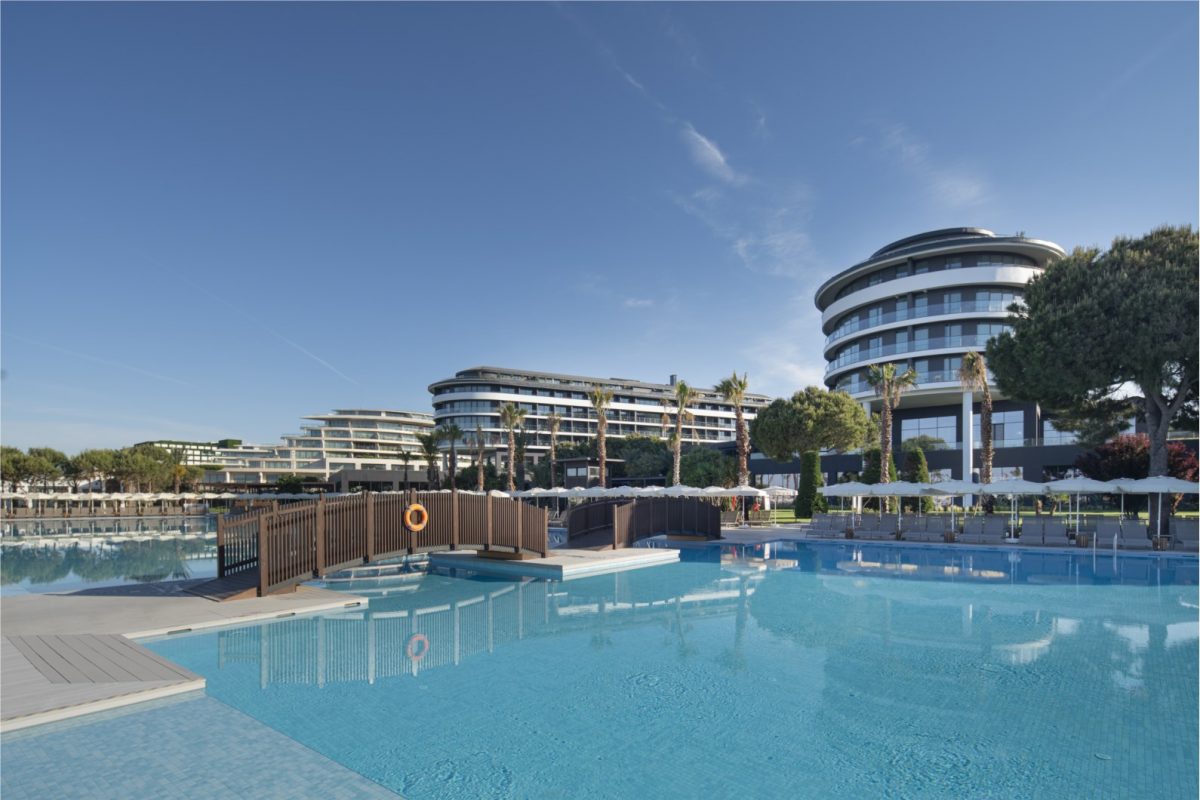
220,217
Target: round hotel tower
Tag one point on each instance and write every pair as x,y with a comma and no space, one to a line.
922,302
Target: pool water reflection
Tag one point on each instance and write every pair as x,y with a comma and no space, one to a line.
799,672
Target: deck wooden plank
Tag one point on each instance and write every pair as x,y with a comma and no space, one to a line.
80,661
38,652
118,667
160,668
40,664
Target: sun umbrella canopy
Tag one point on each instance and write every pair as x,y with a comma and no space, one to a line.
1159,484
1013,486
849,489
747,491
1080,486
778,492
897,489
954,488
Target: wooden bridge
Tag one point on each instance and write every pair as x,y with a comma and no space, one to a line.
617,523
274,549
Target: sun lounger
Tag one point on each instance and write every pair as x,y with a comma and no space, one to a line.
1106,529
984,530
1134,536
824,527
972,532
883,527
1185,534
1055,534
1031,530
931,533
995,528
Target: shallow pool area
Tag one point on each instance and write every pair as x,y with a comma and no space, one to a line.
823,670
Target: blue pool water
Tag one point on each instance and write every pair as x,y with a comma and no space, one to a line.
797,670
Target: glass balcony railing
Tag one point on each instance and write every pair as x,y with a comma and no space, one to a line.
915,346
856,385
919,312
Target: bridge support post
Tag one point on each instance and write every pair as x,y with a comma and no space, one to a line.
221,546
264,561
319,527
369,499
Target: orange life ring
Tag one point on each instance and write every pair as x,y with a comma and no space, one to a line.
411,649
416,510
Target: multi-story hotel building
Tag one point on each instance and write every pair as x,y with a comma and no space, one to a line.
473,397
922,303
346,439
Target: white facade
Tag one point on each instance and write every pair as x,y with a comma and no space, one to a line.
923,302
344,439
473,397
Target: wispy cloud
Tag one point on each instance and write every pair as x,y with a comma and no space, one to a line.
769,239
637,302
951,185
785,359
108,362
685,43
708,156
268,329
761,128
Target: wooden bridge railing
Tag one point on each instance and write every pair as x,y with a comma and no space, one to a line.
304,540
631,520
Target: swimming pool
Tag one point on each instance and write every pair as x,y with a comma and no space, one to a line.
792,670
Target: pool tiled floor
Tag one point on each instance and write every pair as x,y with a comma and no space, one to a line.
188,748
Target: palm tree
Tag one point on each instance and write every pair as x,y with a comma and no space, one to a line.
510,417
554,422
684,397
480,446
733,389
884,380
405,457
973,377
431,453
452,433
600,401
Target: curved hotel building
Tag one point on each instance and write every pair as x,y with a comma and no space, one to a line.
923,302
472,399
346,439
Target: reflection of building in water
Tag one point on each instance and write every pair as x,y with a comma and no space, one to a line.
445,624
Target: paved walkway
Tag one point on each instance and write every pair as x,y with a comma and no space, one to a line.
64,655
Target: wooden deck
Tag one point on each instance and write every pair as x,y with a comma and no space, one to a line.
65,655
47,678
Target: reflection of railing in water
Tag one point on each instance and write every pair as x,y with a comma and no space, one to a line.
108,526
391,642
152,559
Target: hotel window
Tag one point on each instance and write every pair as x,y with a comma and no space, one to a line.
944,428
1008,429
953,336
1052,435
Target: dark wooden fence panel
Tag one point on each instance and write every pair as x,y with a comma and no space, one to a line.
506,520
237,544
637,519
294,543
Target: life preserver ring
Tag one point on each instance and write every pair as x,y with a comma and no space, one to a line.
411,649
416,517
